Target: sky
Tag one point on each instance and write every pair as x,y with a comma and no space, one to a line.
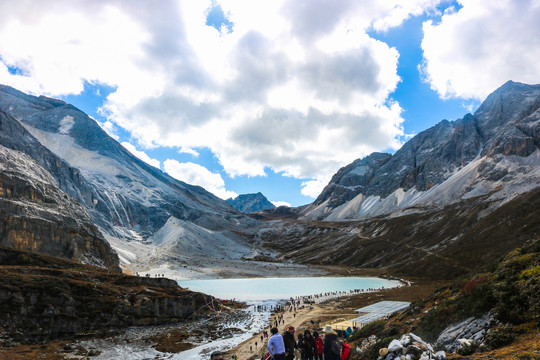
246,96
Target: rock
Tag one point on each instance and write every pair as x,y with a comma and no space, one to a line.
414,351
394,346
440,355
470,328
383,351
405,340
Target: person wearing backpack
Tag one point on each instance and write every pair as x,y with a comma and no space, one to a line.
331,347
319,346
345,350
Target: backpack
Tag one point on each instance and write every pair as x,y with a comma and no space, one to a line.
335,347
319,343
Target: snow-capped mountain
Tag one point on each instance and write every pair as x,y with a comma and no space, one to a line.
251,203
147,216
494,153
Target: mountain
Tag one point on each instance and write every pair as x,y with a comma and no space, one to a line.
38,216
493,153
151,219
251,203
452,201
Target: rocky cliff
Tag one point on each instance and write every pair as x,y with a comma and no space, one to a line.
45,298
251,203
493,152
36,215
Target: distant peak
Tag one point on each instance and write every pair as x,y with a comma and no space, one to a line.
250,203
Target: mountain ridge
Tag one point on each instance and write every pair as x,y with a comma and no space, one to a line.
491,136
148,217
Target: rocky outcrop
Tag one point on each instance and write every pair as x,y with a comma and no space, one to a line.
352,179
35,214
470,329
251,203
410,347
44,298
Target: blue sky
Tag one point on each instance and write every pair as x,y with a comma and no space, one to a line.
269,96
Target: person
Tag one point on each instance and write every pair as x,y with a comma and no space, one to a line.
276,347
345,350
300,346
332,349
310,348
319,345
217,355
290,343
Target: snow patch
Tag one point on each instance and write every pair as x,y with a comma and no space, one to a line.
66,124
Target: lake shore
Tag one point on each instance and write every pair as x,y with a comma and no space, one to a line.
336,309
168,342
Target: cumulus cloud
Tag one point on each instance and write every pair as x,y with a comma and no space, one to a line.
281,203
296,86
198,175
486,43
141,155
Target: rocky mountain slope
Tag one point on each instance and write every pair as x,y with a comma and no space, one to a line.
148,217
36,215
494,152
462,238
251,203
450,202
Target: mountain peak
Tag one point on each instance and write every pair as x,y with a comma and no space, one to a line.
450,161
250,203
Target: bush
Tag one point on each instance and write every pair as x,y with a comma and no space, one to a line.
500,336
373,328
468,349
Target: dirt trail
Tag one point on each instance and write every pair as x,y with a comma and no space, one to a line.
294,318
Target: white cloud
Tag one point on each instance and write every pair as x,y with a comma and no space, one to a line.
297,86
141,155
313,188
109,128
473,51
186,150
281,203
198,175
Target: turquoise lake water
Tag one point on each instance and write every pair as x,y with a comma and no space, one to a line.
260,289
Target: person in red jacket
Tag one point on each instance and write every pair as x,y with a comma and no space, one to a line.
345,350
319,343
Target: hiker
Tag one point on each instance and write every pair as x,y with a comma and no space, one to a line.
319,345
300,346
290,343
332,348
310,347
345,350
276,347
217,355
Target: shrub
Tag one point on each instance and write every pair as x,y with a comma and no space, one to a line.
373,328
468,349
500,336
